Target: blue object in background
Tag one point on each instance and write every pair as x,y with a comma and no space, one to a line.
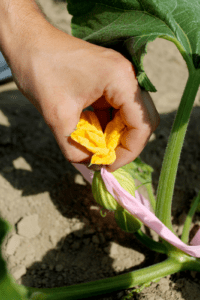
5,72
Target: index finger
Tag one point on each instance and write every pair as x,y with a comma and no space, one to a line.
141,119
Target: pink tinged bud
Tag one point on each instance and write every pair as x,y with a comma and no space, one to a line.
101,194
138,210
138,206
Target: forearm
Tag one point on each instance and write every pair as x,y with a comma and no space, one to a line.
20,22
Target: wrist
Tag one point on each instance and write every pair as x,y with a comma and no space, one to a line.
20,22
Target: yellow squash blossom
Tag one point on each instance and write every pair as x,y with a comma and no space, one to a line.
102,144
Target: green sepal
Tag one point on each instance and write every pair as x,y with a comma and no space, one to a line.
126,221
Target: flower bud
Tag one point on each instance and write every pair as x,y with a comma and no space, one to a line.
123,218
101,194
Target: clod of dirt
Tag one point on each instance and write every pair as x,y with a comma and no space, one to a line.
21,163
79,180
13,244
28,226
18,272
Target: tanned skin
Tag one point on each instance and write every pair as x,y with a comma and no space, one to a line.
61,75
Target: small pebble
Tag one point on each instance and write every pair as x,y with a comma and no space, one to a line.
78,179
22,164
152,137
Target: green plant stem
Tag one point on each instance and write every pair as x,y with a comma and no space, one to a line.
103,286
188,221
173,150
151,244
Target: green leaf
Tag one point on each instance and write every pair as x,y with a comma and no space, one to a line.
139,170
9,289
129,25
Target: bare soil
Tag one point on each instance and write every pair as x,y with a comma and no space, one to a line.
58,236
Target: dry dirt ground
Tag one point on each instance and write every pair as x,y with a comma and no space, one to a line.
58,236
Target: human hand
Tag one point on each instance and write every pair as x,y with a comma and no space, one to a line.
61,75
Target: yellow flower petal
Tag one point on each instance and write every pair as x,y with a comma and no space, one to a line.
88,118
88,139
114,131
106,158
90,135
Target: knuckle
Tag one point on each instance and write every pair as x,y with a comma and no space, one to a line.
123,66
120,62
58,114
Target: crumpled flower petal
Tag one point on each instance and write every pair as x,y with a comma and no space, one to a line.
90,135
114,131
89,132
87,174
142,200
